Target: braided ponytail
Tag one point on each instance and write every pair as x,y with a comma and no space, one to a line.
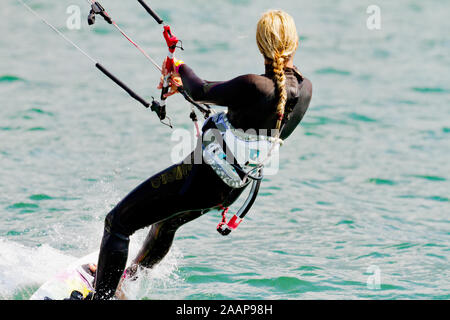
280,79
277,40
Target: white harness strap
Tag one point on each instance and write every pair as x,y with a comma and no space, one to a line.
234,154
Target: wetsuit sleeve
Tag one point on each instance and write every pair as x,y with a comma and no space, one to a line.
299,110
222,93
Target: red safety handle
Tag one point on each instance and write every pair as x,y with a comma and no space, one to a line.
171,40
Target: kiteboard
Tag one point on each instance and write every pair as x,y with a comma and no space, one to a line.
75,277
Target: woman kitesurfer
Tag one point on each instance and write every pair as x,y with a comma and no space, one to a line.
278,99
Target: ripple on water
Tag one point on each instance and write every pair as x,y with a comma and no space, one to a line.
428,177
37,129
307,268
10,78
380,181
402,246
430,90
40,111
431,198
209,278
333,71
360,117
40,197
374,254
287,284
348,223
23,205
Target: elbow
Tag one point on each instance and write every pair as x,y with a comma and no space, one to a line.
197,93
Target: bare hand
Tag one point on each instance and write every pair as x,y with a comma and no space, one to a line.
172,77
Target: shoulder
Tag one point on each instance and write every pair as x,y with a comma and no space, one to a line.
305,87
304,84
250,79
257,84
261,84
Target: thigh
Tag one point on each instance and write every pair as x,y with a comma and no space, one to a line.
154,200
179,188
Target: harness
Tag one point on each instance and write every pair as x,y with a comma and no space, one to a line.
233,154
238,158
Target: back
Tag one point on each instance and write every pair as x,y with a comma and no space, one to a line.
252,99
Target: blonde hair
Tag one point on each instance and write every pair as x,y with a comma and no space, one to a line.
277,39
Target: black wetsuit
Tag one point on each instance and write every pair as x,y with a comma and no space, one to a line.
172,198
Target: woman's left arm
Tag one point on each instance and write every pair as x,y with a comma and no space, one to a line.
223,93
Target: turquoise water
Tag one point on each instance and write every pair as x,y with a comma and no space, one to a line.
363,188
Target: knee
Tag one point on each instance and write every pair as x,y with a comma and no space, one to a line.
168,227
115,238
115,243
113,225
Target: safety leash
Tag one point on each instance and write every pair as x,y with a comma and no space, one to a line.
225,227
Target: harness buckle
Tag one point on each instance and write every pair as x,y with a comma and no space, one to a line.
224,227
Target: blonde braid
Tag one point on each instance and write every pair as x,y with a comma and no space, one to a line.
280,79
277,39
